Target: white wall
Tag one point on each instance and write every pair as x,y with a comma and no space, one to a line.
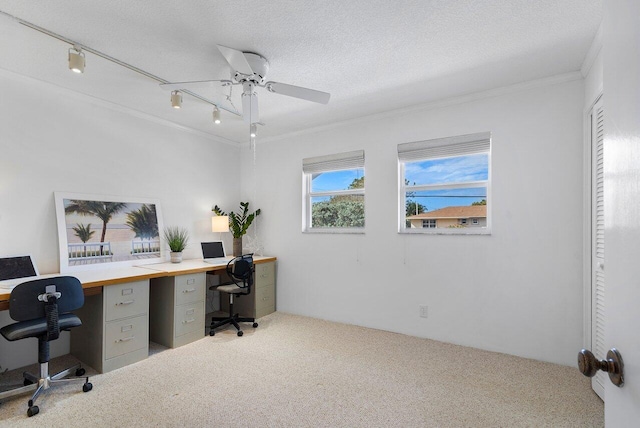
54,140
518,291
593,82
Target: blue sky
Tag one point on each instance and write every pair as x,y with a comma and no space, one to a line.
335,180
446,170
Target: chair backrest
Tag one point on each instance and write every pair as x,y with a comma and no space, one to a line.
24,304
240,270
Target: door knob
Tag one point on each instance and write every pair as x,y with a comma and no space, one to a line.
589,365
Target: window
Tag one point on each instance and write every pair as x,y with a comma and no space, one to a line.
429,224
445,185
333,193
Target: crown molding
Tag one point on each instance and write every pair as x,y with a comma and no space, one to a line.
69,93
491,93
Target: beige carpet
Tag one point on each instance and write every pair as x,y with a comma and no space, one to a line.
300,372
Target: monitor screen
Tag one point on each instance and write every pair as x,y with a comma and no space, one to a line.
17,267
213,249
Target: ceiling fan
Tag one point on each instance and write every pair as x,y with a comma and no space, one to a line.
250,70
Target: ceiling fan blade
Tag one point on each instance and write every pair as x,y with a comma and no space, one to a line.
236,60
196,84
298,92
250,108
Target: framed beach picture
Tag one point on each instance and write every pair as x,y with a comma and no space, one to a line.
96,232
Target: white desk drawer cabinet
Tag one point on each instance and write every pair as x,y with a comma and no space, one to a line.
115,327
262,300
177,309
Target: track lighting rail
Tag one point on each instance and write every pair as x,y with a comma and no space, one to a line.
111,59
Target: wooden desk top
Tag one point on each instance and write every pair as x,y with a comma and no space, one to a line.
93,280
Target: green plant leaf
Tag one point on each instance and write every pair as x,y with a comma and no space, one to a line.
238,223
177,238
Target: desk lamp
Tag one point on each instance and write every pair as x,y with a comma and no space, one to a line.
220,223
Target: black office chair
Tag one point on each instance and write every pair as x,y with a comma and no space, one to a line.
240,271
42,308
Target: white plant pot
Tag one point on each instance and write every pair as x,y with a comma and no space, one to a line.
176,257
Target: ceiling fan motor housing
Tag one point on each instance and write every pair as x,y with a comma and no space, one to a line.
258,64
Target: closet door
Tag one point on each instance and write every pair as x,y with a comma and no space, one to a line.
597,244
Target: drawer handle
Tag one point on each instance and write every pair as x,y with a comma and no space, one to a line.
126,302
188,321
189,290
126,339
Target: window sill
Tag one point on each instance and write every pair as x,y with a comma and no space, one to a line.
452,231
336,230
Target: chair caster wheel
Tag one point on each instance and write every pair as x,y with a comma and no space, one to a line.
88,386
212,333
27,382
240,333
255,325
80,372
33,410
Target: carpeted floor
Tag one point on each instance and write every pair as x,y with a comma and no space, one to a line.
295,371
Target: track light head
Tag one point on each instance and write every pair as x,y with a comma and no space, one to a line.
176,99
253,130
216,115
76,59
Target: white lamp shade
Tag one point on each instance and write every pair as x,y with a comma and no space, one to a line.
220,223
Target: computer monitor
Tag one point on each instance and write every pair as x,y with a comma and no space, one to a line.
17,267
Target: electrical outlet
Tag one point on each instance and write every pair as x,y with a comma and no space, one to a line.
423,311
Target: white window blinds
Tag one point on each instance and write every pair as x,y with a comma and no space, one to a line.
445,147
335,162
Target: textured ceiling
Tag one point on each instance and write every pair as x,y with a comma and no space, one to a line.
371,56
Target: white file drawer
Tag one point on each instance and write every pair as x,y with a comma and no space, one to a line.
189,318
264,298
122,337
189,288
126,300
265,274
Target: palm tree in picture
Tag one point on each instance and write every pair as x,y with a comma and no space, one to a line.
144,223
84,233
103,210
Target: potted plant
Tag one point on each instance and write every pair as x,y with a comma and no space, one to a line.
238,224
177,239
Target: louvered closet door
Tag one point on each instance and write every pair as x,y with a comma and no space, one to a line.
597,243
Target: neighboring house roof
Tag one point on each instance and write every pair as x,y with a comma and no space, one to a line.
473,211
